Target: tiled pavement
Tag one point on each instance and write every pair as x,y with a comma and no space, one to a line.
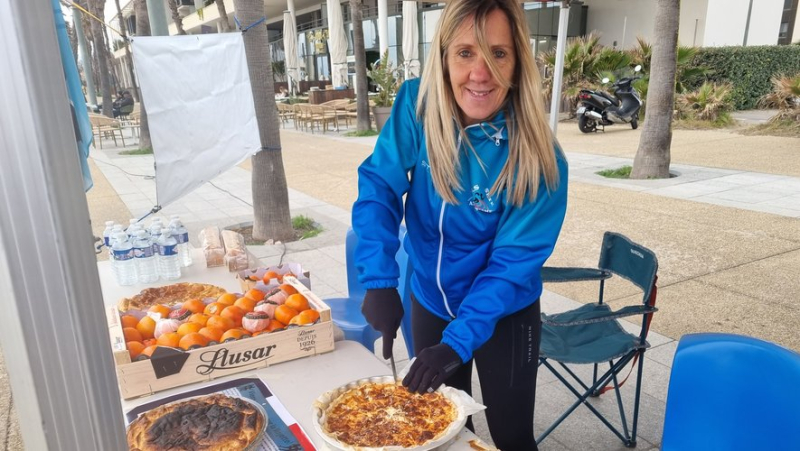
227,200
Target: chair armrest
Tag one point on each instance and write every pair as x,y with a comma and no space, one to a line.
551,274
594,313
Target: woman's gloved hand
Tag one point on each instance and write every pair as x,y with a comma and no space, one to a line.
431,368
383,310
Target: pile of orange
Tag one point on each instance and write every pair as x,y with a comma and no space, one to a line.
212,323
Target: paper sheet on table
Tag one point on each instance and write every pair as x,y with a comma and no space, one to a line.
199,103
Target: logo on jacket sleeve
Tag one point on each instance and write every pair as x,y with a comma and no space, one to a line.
481,200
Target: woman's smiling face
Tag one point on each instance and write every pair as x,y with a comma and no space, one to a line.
478,94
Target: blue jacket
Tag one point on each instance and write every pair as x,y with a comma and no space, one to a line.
474,262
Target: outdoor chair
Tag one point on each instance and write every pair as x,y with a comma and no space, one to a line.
732,393
105,127
324,115
346,312
591,334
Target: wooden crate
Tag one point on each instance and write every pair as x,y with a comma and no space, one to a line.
171,367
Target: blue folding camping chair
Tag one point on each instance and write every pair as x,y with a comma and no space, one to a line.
591,334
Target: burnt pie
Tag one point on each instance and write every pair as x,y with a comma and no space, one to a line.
375,415
215,422
176,293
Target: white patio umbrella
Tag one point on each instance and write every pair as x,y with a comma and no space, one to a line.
290,50
410,40
337,43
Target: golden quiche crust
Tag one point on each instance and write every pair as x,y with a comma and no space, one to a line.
377,415
169,295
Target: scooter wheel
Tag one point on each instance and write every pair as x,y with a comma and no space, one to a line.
586,125
635,123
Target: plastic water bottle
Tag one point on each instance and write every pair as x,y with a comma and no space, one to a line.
155,234
181,235
124,264
146,266
107,236
169,263
155,221
112,238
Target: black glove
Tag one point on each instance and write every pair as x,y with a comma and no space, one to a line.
431,368
383,310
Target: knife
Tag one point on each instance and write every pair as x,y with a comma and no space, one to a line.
394,368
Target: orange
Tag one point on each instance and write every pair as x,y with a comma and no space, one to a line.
305,317
192,341
298,302
131,334
188,328
163,310
149,342
220,323
227,298
171,339
247,303
234,314
255,294
199,318
288,289
233,334
129,321
284,313
134,349
274,325
291,274
212,333
148,351
214,308
269,275
194,305
265,331
146,327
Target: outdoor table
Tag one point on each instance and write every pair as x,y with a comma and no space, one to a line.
296,383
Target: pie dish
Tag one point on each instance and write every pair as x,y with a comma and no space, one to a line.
379,414
214,422
169,295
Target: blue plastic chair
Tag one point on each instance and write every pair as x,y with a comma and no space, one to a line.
346,312
731,392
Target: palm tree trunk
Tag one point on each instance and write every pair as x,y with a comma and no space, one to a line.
223,16
271,215
142,29
362,104
100,50
123,28
653,156
176,17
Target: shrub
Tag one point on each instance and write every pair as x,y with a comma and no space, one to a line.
748,69
711,102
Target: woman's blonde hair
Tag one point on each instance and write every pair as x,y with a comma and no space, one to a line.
530,150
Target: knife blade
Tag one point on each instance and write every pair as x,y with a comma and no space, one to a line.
394,368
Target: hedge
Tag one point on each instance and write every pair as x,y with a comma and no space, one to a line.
749,69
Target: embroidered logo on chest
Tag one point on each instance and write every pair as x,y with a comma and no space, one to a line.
481,200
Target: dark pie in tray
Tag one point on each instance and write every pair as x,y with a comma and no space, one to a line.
176,293
215,422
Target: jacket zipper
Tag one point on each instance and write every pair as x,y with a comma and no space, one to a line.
439,262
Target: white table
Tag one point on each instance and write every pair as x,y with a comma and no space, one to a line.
296,383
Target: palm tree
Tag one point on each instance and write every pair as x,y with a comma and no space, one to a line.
223,16
142,29
653,156
362,109
176,17
785,96
96,8
123,28
271,215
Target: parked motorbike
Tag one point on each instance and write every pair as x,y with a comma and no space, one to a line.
599,108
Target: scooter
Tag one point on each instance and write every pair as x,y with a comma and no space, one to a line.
599,108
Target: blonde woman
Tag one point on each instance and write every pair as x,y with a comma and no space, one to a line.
486,194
